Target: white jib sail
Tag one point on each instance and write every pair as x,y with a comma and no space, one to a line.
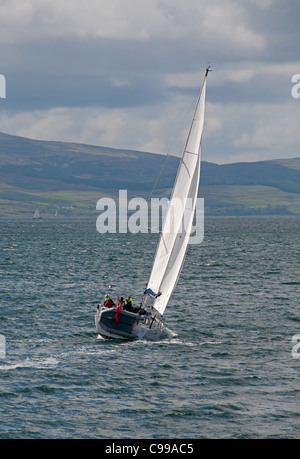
178,222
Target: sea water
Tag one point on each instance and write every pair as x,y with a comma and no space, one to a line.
230,371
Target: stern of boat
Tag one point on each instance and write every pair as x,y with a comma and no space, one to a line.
129,325
126,327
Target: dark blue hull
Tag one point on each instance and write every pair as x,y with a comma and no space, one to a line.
126,327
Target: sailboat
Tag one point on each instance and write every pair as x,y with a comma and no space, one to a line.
146,322
36,215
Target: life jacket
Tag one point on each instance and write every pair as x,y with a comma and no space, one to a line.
109,303
105,300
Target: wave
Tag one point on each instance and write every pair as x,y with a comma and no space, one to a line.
48,362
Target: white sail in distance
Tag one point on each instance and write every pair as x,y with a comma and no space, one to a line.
177,226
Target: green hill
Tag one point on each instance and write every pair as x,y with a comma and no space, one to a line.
257,188
71,177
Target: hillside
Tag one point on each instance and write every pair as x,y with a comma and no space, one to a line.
257,188
72,177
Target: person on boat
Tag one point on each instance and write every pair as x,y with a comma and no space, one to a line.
106,298
128,304
108,302
121,302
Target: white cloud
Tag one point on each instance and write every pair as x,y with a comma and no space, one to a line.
216,23
226,22
233,132
276,129
250,132
57,37
242,72
52,124
119,82
157,128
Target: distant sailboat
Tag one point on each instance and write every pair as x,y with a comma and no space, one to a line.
36,215
116,322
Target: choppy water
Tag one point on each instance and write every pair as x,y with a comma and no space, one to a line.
229,372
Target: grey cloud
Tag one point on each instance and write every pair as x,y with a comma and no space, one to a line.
42,91
129,71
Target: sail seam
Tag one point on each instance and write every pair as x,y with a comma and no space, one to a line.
191,152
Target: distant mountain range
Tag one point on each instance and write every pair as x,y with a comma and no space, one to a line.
71,177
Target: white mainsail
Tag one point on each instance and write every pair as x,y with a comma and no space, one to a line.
178,222
36,213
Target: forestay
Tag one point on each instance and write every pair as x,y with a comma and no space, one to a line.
178,222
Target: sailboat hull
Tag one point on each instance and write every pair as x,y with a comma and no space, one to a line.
128,326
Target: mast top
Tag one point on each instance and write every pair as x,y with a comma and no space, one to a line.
208,69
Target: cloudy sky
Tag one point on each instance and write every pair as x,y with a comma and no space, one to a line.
125,73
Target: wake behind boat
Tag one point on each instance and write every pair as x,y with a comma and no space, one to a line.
145,322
